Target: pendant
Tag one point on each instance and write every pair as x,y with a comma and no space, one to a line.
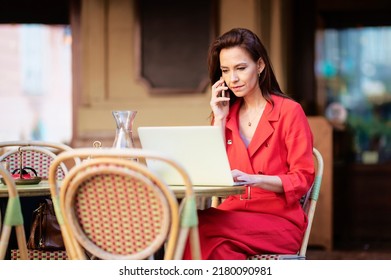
249,123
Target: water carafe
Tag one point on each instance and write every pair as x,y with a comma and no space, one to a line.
124,121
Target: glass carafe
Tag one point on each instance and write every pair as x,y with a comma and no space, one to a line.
124,121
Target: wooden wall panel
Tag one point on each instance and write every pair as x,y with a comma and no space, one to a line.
322,230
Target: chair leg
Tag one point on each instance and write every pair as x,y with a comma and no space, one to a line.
193,236
4,239
182,238
195,243
74,250
22,245
215,201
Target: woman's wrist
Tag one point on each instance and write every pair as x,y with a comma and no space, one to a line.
219,121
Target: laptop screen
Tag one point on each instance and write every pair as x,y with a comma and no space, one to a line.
200,149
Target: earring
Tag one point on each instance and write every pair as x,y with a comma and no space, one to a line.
259,74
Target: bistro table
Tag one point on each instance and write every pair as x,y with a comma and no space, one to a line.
40,189
204,192
43,189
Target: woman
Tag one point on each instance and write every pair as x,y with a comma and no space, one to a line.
269,146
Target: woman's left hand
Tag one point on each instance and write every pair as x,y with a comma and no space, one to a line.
267,182
240,176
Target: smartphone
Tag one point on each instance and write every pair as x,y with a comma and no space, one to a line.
224,94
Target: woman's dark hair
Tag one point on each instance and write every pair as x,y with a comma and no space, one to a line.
246,39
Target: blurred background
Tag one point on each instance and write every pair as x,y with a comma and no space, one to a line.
65,65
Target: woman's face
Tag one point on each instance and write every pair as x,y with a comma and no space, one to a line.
239,71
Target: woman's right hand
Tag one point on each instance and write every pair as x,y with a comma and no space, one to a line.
219,103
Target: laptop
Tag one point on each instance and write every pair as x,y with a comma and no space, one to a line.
200,149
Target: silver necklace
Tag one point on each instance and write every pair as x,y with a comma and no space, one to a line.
251,120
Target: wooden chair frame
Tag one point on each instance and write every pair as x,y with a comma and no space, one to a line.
13,218
53,145
44,174
188,222
123,168
51,151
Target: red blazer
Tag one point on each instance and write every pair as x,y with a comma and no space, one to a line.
282,145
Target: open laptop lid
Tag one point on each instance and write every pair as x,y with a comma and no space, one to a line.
200,149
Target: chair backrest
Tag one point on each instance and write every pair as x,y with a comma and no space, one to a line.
38,155
35,154
116,208
13,218
311,200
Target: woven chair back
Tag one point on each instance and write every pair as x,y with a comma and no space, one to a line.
117,212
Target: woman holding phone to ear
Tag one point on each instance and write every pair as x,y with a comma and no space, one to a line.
269,145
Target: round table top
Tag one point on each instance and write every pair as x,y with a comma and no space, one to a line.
43,188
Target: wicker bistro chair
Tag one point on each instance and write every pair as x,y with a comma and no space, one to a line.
114,207
309,205
13,218
35,154
38,155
